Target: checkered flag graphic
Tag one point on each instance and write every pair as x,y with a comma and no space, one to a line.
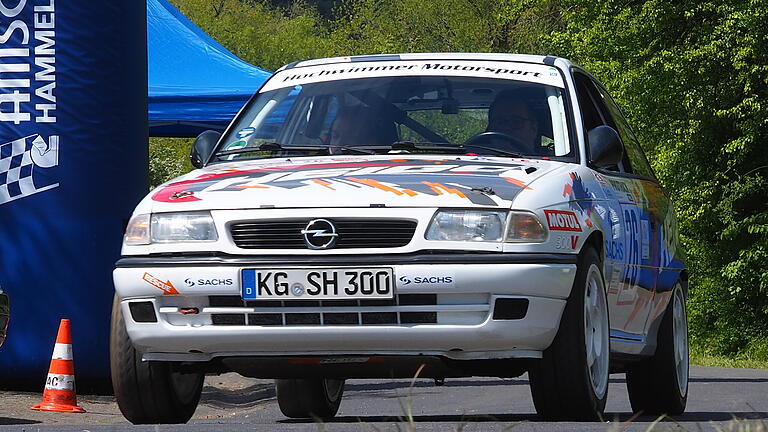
18,162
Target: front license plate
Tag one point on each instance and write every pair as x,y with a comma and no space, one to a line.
317,284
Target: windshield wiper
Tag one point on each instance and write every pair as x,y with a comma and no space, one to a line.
271,146
499,151
413,146
276,147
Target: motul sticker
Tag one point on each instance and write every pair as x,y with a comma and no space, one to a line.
561,220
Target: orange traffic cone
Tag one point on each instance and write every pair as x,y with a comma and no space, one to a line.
59,394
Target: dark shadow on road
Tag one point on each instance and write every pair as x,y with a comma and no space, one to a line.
484,418
352,386
14,421
705,416
456,382
726,380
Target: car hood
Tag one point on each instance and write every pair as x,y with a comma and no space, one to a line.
347,181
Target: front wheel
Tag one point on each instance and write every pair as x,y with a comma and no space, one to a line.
149,392
659,385
570,381
309,398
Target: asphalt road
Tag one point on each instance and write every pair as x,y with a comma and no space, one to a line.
231,402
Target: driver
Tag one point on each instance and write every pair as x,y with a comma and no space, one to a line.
511,115
360,126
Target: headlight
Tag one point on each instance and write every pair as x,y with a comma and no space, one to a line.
467,225
182,227
137,232
144,229
525,227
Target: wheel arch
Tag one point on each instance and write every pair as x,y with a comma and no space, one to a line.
595,241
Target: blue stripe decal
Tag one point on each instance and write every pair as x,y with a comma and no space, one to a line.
621,336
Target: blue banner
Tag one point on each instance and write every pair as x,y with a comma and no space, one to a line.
73,163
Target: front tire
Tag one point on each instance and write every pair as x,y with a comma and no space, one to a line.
309,398
149,392
570,382
659,385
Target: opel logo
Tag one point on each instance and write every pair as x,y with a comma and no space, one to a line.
320,234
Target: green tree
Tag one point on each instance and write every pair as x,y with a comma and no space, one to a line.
693,78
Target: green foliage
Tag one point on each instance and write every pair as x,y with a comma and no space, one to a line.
260,34
692,76
168,158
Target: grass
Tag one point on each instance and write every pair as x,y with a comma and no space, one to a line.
725,362
702,358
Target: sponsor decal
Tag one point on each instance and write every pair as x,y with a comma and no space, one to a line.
402,177
166,287
24,166
614,250
421,280
562,220
28,96
582,199
208,282
29,99
645,234
567,242
483,69
236,145
245,132
59,382
600,179
614,283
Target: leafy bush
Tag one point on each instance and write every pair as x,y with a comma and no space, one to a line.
168,158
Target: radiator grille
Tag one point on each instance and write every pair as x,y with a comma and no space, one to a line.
353,233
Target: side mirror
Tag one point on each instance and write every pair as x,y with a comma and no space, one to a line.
605,148
203,148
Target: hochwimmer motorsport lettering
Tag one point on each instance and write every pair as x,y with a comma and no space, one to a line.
427,66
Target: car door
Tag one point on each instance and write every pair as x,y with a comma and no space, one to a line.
630,249
662,267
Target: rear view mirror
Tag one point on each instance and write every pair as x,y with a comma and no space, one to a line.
203,147
605,148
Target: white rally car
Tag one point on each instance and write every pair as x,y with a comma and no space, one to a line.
445,215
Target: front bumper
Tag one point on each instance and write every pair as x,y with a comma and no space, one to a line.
462,326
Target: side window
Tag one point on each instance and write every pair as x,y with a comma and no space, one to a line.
632,148
589,111
594,112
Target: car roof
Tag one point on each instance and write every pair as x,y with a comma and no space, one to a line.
523,58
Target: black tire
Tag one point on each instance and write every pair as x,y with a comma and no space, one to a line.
309,398
561,381
149,392
654,385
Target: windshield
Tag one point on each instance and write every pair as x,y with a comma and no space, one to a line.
301,112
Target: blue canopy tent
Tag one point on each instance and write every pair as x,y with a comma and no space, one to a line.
195,84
